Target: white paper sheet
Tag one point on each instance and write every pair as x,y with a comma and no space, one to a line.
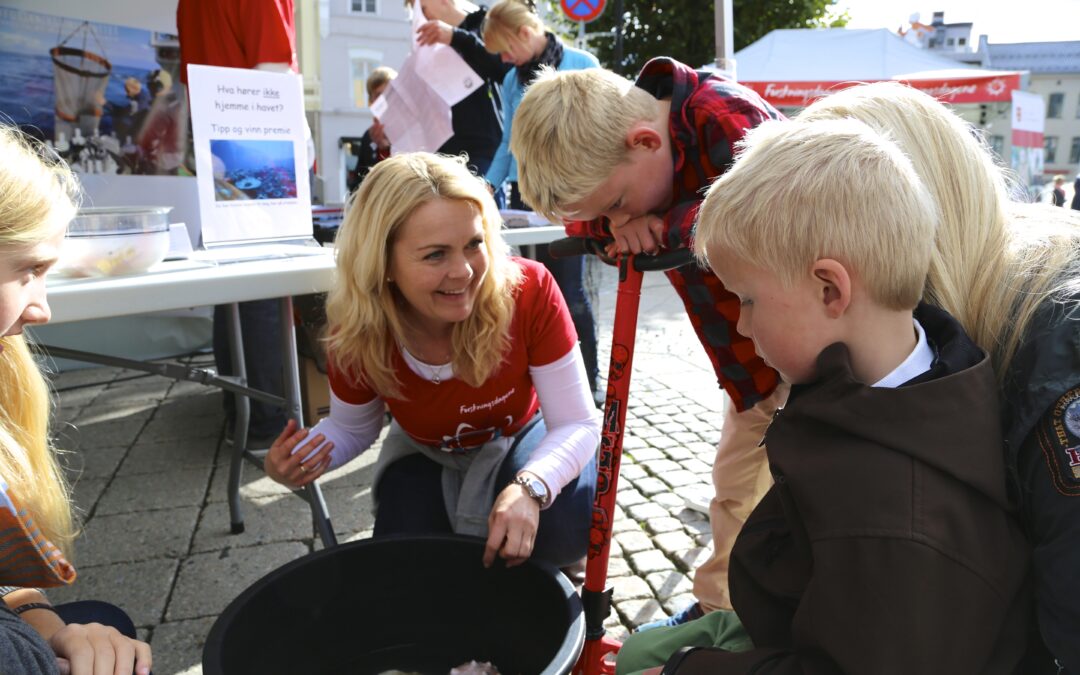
414,117
441,66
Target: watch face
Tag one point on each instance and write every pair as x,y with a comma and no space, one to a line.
538,488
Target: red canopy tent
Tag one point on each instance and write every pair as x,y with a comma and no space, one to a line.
792,67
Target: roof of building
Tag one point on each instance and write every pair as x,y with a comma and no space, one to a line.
1037,57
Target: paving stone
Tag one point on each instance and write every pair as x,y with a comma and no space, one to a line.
637,612
668,500
680,478
679,454
669,409
642,455
700,447
254,484
667,585
81,396
659,526
696,466
631,443
701,428
658,467
660,441
678,603
698,526
630,588
693,558
690,516
628,496
178,646
674,430
139,588
703,539
658,420
618,567
207,582
650,486
633,542
673,542
631,471
96,429
651,560
266,520
171,427
624,524
142,535
646,433
92,463
185,487
351,509
154,456
86,492
645,511
143,389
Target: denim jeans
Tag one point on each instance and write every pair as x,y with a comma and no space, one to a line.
411,502
569,274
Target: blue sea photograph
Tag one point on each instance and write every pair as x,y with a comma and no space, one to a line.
253,170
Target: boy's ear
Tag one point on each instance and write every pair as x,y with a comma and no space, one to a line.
834,286
641,135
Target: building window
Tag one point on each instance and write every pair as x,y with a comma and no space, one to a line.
1074,151
361,63
1057,102
961,41
365,6
1050,149
997,144
1078,107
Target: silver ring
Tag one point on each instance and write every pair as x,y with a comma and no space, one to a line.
303,469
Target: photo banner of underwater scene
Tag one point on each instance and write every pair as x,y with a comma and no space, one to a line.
106,97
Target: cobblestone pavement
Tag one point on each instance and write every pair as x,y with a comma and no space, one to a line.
149,466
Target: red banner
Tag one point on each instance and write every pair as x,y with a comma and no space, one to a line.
1027,139
975,89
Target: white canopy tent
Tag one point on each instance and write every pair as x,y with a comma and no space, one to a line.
791,67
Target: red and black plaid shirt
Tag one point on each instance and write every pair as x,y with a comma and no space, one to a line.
709,114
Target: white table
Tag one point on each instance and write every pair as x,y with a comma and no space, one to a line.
182,284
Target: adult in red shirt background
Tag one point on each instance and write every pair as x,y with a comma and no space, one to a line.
259,34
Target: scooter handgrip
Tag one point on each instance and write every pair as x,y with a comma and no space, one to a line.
570,246
668,260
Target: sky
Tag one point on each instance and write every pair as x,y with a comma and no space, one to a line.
1000,20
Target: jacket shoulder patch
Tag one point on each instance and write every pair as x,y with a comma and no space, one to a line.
1059,438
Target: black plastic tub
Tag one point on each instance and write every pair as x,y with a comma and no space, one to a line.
416,604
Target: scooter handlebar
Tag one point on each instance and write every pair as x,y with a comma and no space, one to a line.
666,260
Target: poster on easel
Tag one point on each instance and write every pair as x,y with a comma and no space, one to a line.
250,155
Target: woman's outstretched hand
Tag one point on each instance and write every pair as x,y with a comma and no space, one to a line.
512,526
292,464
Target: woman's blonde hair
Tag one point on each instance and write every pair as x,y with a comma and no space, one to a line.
379,77
505,20
38,195
989,270
801,192
364,308
562,113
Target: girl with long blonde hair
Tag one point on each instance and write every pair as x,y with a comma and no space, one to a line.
1010,273
38,196
431,317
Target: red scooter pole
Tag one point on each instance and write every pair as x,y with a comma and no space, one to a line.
596,599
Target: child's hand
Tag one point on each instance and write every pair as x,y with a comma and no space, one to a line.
639,235
434,32
292,467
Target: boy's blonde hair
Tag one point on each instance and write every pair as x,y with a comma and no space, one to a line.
503,22
570,132
989,269
38,195
363,308
378,77
801,192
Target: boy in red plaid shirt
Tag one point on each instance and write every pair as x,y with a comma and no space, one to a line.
653,147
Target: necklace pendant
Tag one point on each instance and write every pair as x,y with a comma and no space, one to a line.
435,378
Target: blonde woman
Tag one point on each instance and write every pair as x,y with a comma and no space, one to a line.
466,345
1011,274
37,199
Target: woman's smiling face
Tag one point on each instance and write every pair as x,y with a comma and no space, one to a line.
438,261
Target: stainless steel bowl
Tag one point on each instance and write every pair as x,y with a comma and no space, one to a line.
110,241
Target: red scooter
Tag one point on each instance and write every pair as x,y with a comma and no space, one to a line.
596,599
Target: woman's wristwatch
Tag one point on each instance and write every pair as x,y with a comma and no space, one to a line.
534,487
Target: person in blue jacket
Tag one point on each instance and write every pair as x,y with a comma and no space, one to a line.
513,30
